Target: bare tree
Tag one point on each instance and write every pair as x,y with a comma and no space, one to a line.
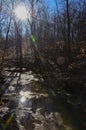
6,43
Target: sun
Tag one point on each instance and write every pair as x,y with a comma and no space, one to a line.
21,12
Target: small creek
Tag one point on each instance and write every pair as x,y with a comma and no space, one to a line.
26,105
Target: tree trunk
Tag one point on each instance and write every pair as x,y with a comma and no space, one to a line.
68,31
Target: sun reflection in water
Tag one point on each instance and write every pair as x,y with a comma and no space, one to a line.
24,96
24,93
22,99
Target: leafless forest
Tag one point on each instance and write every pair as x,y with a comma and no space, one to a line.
51,42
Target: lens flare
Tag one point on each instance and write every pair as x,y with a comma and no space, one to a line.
8,121
33,39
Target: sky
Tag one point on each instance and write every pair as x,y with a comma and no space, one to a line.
52,3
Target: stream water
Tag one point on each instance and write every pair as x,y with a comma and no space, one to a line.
27,105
